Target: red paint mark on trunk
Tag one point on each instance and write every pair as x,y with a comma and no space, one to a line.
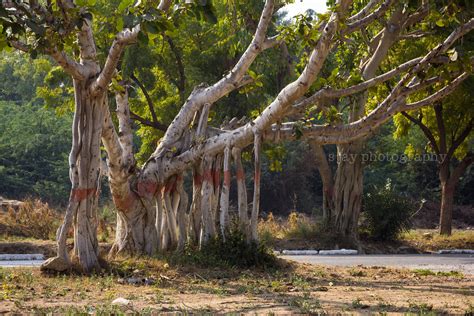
124,203
240,174
227,177
147,188
207,176
170,186
197,179
257,176
78,195
217,177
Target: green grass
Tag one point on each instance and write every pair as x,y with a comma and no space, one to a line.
427,272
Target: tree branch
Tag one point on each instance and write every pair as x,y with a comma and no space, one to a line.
156,125
147,97
179,63
210,95
122,39
364,12
461,167
71,67
458,141
438,108
353,26
425,130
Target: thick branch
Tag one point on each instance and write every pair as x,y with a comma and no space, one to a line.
227,84
364,12
71,67
122,39
353,26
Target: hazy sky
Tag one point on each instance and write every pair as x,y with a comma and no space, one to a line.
300,6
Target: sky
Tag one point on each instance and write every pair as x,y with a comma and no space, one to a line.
300,6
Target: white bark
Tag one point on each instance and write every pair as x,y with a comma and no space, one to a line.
224,201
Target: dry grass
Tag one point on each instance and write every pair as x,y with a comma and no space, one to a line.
429,240
295,226
292,288
299,231
33,219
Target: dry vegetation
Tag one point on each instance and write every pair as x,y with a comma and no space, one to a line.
289,288
301,232
33,219
429,240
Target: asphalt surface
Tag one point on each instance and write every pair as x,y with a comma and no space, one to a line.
462,263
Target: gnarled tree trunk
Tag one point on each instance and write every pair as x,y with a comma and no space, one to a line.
348,190
85,165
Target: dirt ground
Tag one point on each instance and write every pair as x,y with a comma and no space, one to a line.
292,288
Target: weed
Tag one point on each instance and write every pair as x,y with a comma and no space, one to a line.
357,273
305,303
357,304
421,309
427,272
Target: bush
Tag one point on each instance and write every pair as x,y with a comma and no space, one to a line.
32,219
386,213
234,251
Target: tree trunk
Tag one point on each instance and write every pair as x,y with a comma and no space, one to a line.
447,203
348,190
327,178
84,164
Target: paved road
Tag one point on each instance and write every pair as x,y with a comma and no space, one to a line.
462,263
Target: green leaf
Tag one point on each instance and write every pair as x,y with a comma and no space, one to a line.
119,24
143,38
124,4
440,23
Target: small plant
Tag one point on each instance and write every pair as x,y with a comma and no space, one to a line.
233,251
306,304
387,213
421,309
427,272
357,303
32,219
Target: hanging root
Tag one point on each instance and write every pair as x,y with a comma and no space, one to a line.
216,183
256,189
170,213
241,191
181,216
208,224
224,201
195,214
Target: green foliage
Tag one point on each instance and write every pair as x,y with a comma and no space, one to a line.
234,251
387,213
34,146
19,76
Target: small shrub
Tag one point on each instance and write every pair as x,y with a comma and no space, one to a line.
32,219
269,229
234,251
387,214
